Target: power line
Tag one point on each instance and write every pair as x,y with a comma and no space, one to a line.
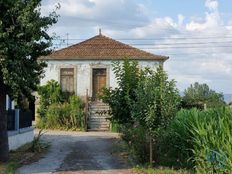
158,38
178,43
159,47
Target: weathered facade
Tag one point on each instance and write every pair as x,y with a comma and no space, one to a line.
88,65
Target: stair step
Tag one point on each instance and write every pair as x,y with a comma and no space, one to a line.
98,104
98,118
97,112
98,108
98,130
98,126
94,123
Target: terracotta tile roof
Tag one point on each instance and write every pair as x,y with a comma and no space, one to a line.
101,48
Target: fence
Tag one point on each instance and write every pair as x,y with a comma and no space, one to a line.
11,120
18,119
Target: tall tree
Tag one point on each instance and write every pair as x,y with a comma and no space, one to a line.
199,94
23,38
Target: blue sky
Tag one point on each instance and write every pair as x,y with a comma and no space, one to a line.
195,34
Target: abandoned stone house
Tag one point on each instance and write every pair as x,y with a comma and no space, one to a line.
88,65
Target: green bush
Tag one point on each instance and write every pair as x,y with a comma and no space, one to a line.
49,94
145,98
157,100
59,110
203,138
115,127
68,115
137,141
127,75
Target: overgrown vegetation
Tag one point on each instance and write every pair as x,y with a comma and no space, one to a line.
59,110
144,102
119,99
201,139
146,106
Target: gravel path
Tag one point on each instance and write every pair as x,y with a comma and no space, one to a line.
79,153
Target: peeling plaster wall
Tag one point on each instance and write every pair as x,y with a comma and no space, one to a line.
84,72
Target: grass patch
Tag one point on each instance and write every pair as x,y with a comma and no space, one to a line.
158,170
26,154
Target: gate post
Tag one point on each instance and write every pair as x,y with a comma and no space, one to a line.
17,127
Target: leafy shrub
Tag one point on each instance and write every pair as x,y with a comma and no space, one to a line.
59,110
157,100
115,127
173,143
144,98
67,115
127,75
137,141
49,93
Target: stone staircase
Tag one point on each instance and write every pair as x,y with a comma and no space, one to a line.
98,117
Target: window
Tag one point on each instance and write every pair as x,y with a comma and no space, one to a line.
67,79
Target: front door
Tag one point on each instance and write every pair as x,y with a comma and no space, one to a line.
99,81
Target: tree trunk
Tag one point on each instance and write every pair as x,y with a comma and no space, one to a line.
4,147
151,150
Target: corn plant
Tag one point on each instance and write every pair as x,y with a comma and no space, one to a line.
207,136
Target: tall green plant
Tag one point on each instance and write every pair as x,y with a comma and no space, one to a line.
157,102
203,138
157,99
66,116
49,93
76,112
127,75
212,136
59,110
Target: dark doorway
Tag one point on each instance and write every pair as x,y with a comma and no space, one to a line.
99,81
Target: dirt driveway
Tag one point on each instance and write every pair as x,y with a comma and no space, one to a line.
79,152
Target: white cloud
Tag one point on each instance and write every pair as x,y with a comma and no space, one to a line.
211,4
211,21
180,19
129,19
212,18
